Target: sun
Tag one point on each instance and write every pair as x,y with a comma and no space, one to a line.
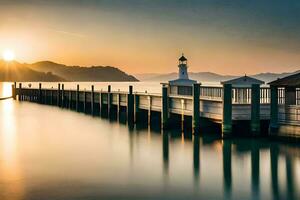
8,55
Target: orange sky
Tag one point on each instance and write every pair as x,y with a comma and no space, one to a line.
149,37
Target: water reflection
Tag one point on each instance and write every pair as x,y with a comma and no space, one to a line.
227,176
47,158
10,169
5,89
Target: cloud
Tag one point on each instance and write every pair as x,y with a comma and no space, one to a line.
72,34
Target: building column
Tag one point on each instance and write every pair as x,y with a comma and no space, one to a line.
130,106
227,110
165,108
255,109
196,108
274,110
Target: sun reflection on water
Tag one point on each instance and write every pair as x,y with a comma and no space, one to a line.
9,164
5,89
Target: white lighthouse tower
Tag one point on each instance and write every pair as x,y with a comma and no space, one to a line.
183,85
183,74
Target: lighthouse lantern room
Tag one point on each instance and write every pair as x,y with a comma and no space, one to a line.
183,85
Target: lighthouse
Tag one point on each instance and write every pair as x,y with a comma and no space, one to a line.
182,85
183,74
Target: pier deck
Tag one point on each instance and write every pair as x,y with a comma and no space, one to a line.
211,102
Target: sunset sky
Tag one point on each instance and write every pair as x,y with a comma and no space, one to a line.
139,36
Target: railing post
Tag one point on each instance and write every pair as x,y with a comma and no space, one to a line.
165,108
92,100
58,95
109,100
77,98
227,110
255,109
40,93
274,110
20,92
196,108
130,106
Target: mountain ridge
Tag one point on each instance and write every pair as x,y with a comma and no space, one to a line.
210,76
52,71
80,73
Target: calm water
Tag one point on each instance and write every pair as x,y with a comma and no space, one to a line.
51,153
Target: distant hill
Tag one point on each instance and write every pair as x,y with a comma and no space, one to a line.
77,73
209,76
14,71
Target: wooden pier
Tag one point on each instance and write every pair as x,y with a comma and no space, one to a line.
226,105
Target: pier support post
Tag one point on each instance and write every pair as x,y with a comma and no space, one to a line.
20,92
130,106
109,100
58,95
70,99
136,107
62,95
100,103
165,108
196,108
92,100
227,110
51,96
274,110
77,98
84,101
40,93
255,109
13,88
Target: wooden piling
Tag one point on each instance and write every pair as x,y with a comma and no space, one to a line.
196,108
100,103
20,93
274,110
40,93
227,110
58,95
84,102
77,98
51,96
13,91
130,106
165,108
109,100
62,95
92,100
255,109
70,99
149,109
136,107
